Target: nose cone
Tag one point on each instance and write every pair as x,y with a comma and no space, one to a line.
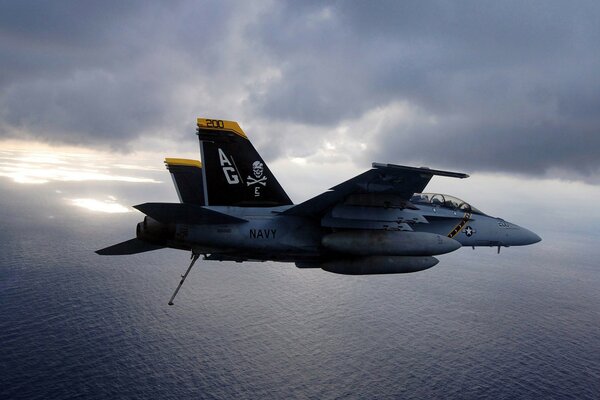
524,237
534,238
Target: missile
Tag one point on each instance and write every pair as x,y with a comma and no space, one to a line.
388,243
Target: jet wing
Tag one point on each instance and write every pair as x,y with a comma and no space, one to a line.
387,179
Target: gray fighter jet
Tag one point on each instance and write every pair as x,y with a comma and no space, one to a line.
233,209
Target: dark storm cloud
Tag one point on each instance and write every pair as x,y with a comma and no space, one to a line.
499,86
512,86
101,74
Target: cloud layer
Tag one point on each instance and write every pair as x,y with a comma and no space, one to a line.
508,86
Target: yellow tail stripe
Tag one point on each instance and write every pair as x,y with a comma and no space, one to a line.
221,125
183,161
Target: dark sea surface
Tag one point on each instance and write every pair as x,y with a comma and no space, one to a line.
522,324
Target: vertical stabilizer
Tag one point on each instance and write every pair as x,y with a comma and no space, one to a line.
234,173
187,177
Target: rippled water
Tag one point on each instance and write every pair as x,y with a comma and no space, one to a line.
73,324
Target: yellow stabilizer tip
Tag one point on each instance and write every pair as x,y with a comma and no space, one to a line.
183,161
221,125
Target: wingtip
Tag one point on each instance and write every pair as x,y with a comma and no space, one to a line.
426,170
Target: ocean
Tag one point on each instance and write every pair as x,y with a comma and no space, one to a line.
521,324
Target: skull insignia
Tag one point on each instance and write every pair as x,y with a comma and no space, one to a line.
257,168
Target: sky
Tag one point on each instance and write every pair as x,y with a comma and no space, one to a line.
508,92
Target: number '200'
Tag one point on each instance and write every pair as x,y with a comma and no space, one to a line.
215,123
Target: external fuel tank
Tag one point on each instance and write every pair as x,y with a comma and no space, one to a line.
379,265
388,243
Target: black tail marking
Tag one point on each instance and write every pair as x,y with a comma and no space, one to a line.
234,173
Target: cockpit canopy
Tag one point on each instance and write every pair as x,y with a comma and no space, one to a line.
443,201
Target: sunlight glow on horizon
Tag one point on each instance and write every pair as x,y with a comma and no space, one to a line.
40,164
539,203
109,206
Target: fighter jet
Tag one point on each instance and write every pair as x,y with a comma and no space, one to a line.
380,222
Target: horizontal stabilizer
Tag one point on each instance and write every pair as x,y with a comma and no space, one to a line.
132,246
184,213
